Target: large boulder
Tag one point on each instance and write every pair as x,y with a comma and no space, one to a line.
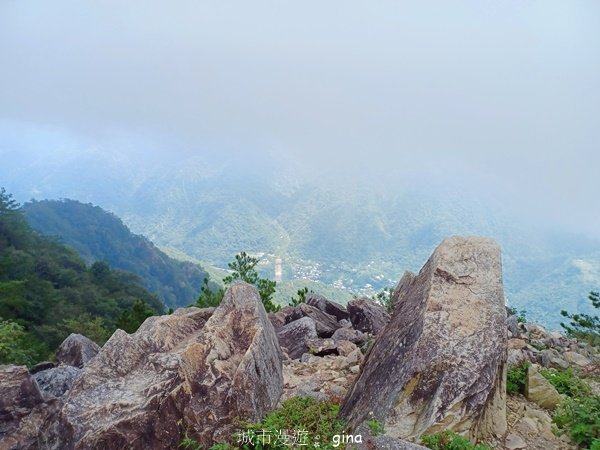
293,337
327,306
367,316
193,370
326,324
24,410
76,350
440,362
539,390
56,380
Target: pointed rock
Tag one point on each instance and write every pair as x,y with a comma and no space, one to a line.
439,364
327,306
294,336
194,370
76,350
367,316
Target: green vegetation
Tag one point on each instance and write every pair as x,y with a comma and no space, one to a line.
585,327
567,382
375,427
521,315
47,291
98,235
244,269
579,414
312,424
515,379
449,440
208,296
384,298
301,297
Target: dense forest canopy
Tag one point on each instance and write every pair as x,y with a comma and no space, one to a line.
47,291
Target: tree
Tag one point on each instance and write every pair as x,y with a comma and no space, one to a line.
244,269
16,346
131,319
584,326
207,297
295,301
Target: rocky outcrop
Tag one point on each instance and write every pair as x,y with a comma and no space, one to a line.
23,410
327,306
326,324
367,316
439,364
293,337
194,370
76,350
57,380
349,334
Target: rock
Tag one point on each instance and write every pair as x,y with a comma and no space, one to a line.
57,380
516,344
514,442
517,357
402,288
536,331
345,323
550,358
513,326
439,364
576,359
281,317
326,324
23,409
348,334
76,350
322,347
42,366
380,442
293,337
539,390
327,306
190,370
367,316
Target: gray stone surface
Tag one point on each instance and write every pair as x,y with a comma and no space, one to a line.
367,316
327,306
293,337
326,324
57,380
76,350
440,362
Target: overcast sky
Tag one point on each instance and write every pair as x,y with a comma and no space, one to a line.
504,94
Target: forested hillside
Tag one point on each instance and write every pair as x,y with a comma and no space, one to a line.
98,235
47,291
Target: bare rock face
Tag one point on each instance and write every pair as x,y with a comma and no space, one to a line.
440,362
367,316
326,323
327,306
348,334
56,380
206,368
539,390
294,336
23,410
77,350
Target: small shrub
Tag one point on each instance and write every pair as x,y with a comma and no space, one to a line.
521,315
580,419
515,379
567,382
314,421
295,301
376,427
449,440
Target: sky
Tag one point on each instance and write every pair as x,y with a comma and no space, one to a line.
501,97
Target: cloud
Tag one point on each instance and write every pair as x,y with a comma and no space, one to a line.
501,97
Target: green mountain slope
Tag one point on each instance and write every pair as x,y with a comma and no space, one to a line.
101,236
47,291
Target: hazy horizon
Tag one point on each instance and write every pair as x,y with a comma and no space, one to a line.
499,102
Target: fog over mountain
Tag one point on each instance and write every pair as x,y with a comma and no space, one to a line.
331,133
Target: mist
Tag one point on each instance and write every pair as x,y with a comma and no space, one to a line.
498,101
